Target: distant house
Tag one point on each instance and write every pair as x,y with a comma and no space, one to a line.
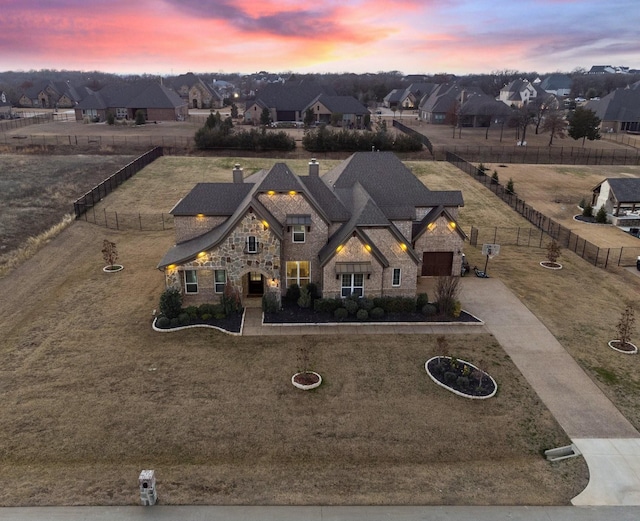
286,102
5,106
557,84
409,98
52,94
157,103
620,198
619,110
197,93
468,107
350,111
392,100
518,93
368,227
608,69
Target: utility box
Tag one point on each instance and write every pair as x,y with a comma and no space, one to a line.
148,492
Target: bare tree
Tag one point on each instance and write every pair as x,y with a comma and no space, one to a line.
556,125
109,252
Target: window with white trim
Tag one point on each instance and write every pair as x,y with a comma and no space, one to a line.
298,232
252,244
190,281
396,277
220,279
352,284
298,272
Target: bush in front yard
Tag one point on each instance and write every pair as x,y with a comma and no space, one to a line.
293,293
428,310
351,306
327,305
366,304
171,303
376,313
184,319
163,322
421,300
362,314
340,313
270,303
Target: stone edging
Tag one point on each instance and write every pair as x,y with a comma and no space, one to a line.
558,267
119,267
360,324
438,382
307,387
180,328
622,351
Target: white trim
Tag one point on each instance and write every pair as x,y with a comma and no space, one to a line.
215,282
293,233
393,273
255,244
184,278
297,279
352,285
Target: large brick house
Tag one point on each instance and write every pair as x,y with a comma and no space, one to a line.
368,227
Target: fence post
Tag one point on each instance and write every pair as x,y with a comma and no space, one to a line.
606,260
117,223
620,257
106,223
140,221
597,253
162,218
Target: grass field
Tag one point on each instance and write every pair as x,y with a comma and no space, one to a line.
91,395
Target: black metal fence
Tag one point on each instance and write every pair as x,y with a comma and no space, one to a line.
592,253
129,221
409,131
11,124
98,141
96,194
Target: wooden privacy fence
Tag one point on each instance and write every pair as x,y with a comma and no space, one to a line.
602,257
97,193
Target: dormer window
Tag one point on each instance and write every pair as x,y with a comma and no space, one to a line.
298,232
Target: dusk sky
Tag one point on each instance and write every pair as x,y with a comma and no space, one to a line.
412,36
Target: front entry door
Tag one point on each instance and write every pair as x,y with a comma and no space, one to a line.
256,283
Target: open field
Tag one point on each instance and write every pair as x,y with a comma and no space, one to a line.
91,395
36,191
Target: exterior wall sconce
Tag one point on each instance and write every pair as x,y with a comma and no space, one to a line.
367,247
265,224
271,192
403,246
431,226
339,248
452,226
292,192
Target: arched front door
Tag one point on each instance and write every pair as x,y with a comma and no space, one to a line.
255,284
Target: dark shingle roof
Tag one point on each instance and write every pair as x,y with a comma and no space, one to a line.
342,104
326,198
393,187
291,97
619,105
156,96
221,199
625,189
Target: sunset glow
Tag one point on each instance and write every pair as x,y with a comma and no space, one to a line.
412,36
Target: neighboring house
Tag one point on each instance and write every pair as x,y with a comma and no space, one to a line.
367,227
409,98
5,106
469,107
619,110
157,102
52,94
518,93
620,198
284,102
602,69
196,92
350,111
557,84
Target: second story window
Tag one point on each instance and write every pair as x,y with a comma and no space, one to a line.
298,233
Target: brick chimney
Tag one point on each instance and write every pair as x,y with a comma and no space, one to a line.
237,174
314,168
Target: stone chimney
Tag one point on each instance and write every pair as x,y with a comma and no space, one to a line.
314,168
237,174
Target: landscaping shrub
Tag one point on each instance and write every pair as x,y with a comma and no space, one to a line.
184,319
366,304
351,306
446,293
457,309
421,300
340,313
163,322
381,302
230,299
327,305
270,303
450,377
293,293
587,210
429,310
207,309
377,313
171,303
304,301
206,317
362,314
601,216
192,311
462,383
175,322
494,177
313,290
400,305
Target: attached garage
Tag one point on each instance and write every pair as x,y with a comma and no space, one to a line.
437,263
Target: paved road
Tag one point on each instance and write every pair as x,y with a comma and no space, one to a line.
199,513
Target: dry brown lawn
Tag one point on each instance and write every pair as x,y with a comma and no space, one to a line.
91,395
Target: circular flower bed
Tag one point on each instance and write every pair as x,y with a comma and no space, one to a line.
623,347
461,377
551,265
113,268
306,380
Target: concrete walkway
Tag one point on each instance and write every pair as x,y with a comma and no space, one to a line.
606,439
608,442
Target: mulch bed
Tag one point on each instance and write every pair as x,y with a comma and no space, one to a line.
232,323
623,346
550,264
453,376
293,314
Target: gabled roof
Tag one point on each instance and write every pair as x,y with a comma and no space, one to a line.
480,104
212,199
555,82
333,207
625,189
340,104
619,105
420,227
394,96
394,188
291,96
150,95
156,96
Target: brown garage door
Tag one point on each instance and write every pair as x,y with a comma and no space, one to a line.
437,263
